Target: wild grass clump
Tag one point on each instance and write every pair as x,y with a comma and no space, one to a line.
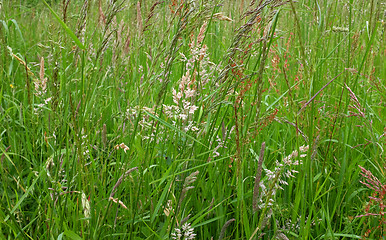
189,119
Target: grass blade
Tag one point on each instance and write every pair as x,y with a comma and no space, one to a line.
66,28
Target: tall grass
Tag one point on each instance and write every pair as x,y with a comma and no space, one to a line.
192,119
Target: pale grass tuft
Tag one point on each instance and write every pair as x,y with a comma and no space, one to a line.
168,209
41,86
186,187
49,164
116,200
85,205
191,178
184,233
201,34
282,167
220,16
122,146
276,178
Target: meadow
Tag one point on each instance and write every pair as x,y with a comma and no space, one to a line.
192,119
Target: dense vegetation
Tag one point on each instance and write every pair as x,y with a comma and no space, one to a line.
188,119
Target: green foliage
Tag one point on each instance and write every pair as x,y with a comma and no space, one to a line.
146,120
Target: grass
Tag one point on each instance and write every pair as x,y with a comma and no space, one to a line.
192,119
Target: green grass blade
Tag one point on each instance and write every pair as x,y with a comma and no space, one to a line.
25,195
66,28
161,200
72,235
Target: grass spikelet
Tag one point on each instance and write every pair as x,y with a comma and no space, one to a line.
41,72
22,62
110,28
201,34
224,228
264,217
102,17
104,136
126,47
139,19
375,208
233,75
86,206
150,16
281,236
357,106
116,200
82,22
41,86
186,232
122,146
189,18
222,17
257,178
123,176
187,185
65,8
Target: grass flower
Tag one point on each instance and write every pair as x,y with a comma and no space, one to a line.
120,180
284,167
116,200
377,203
85,205
186,232
122,146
